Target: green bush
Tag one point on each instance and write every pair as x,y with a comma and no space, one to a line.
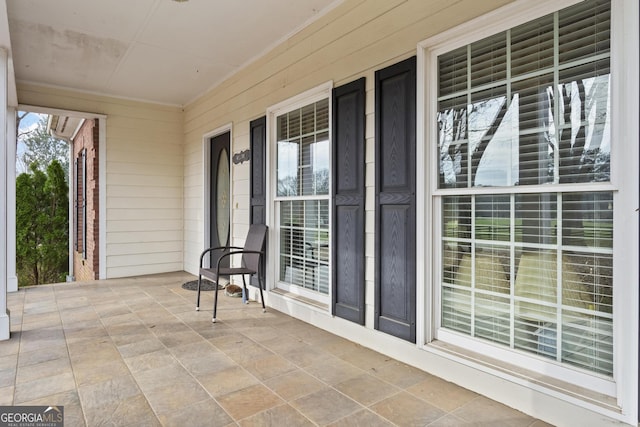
42,230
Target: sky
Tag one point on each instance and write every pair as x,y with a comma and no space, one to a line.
29,122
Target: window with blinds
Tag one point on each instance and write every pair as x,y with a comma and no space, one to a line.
302,197
527,262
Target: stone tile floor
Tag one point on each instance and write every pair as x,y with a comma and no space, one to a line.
134,352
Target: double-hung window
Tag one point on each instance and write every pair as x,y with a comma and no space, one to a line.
523,197
300,135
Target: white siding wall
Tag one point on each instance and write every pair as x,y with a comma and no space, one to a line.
353,40
144,178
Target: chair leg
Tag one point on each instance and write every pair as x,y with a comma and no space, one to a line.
198,297
245,291
264,310
215,299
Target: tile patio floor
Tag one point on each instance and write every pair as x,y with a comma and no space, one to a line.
134,352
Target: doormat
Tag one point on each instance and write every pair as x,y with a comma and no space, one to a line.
206,285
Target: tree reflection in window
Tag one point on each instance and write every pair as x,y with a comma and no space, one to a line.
515,143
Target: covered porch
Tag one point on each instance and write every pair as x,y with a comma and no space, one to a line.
451,184
133,351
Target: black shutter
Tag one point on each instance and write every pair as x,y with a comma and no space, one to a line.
258,200
258,130
84,203
76,203
348,145
395,223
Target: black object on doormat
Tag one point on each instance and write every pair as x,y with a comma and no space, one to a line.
206,285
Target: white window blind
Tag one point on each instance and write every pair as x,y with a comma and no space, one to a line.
304,244
530,269
303,196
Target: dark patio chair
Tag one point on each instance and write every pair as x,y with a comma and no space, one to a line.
252,255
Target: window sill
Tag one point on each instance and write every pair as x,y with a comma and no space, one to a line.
301,299
542,383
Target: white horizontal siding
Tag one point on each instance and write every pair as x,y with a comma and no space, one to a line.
139,176
125,237
144,192
151,155
128,249
141,203
150,213
158,225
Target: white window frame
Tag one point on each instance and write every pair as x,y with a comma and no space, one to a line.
310,96
624,124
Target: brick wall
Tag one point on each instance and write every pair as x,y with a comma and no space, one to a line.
86,266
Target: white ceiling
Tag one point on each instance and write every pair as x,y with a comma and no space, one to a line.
161,51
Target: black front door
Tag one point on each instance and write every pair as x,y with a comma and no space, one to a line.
220,200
